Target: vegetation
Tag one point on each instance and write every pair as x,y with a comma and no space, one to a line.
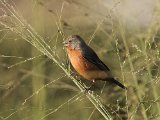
37,81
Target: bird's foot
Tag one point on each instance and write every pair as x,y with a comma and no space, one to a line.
89,89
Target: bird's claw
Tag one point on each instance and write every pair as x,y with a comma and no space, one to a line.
89,89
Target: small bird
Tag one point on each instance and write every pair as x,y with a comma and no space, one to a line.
86,62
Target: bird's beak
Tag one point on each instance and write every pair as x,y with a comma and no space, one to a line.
65,43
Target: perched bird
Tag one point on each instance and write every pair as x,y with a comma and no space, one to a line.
86,62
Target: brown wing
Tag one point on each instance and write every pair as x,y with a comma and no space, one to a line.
91,56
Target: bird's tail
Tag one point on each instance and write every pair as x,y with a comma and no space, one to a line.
112,80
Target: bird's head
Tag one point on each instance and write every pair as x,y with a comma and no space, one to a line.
74,42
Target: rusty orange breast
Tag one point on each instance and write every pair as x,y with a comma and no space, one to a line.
85,68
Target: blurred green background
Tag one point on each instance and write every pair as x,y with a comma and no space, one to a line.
125,34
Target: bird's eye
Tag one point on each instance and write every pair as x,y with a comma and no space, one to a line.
69,41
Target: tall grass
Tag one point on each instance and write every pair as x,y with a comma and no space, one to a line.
134,55
23,29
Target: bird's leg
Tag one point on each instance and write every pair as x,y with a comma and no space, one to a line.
91,86
74,74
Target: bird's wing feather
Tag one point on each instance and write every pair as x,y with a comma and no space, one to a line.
92,57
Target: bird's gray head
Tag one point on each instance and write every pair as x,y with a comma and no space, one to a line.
74,42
